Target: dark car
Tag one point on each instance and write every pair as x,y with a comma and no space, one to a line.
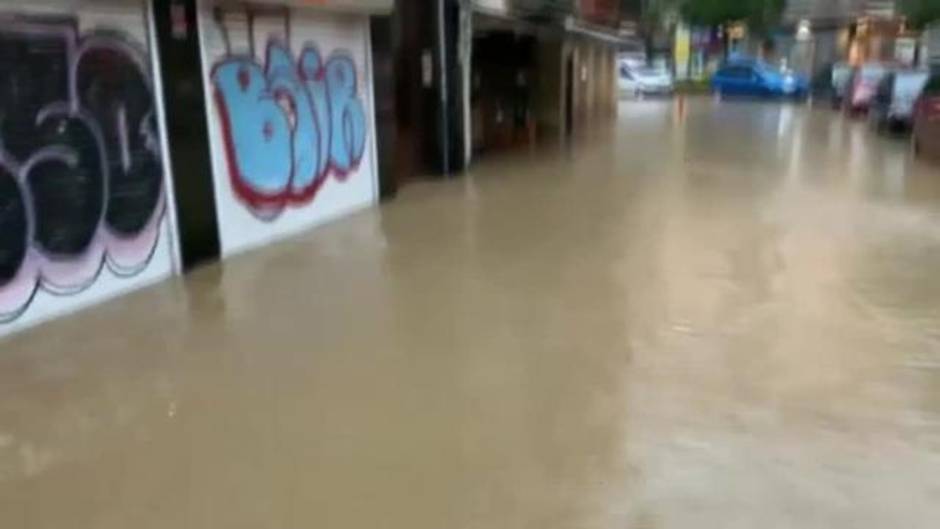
927,120
895,97
755,79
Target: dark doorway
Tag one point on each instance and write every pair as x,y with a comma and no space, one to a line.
383,78
181,68
502,96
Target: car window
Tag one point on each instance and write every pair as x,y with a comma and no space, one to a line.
841,76
910,84
736,72
649,72
625,73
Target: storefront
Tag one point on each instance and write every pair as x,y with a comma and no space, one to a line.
118,170
536,74
504,81
290,110
591,82
85,197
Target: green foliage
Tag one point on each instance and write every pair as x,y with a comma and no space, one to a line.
714,12
760,15
655,11
920,12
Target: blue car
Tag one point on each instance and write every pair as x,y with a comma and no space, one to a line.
754,79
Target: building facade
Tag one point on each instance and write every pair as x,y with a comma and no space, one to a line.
821,32
536,70
140,139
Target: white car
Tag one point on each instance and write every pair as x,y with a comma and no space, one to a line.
644,81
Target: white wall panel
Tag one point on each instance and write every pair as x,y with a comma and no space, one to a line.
291,118
83,185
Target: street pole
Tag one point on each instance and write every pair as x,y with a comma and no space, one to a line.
442,51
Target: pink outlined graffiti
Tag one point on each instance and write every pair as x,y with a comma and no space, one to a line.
289,124
81,178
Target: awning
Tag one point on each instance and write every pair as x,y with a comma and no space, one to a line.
372,7
493,17
600,33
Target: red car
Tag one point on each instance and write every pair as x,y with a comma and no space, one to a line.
927,120
863,86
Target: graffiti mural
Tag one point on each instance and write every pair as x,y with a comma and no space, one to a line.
289,123
81,179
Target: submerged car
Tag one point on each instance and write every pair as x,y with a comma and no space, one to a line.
638,81
895,97
927,120
755,79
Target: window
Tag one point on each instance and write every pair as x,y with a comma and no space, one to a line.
625,73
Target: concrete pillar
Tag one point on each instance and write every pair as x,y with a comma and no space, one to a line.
549,97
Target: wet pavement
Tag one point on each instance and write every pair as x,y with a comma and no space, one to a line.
713,316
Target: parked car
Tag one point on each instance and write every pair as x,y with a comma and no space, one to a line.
840,78
638,81
927,120
893,103
755,79
862,87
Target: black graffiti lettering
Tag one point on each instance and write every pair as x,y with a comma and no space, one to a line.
81,178
33,73
68,190
114,90
13,228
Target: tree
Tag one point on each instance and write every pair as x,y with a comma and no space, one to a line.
759,15
654,15
919,13
714,12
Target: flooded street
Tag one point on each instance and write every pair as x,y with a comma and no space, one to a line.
715,315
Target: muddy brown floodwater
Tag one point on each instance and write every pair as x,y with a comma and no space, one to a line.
715,316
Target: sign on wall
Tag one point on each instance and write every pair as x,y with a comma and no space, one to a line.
372,7
905,50
683,49
291,118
